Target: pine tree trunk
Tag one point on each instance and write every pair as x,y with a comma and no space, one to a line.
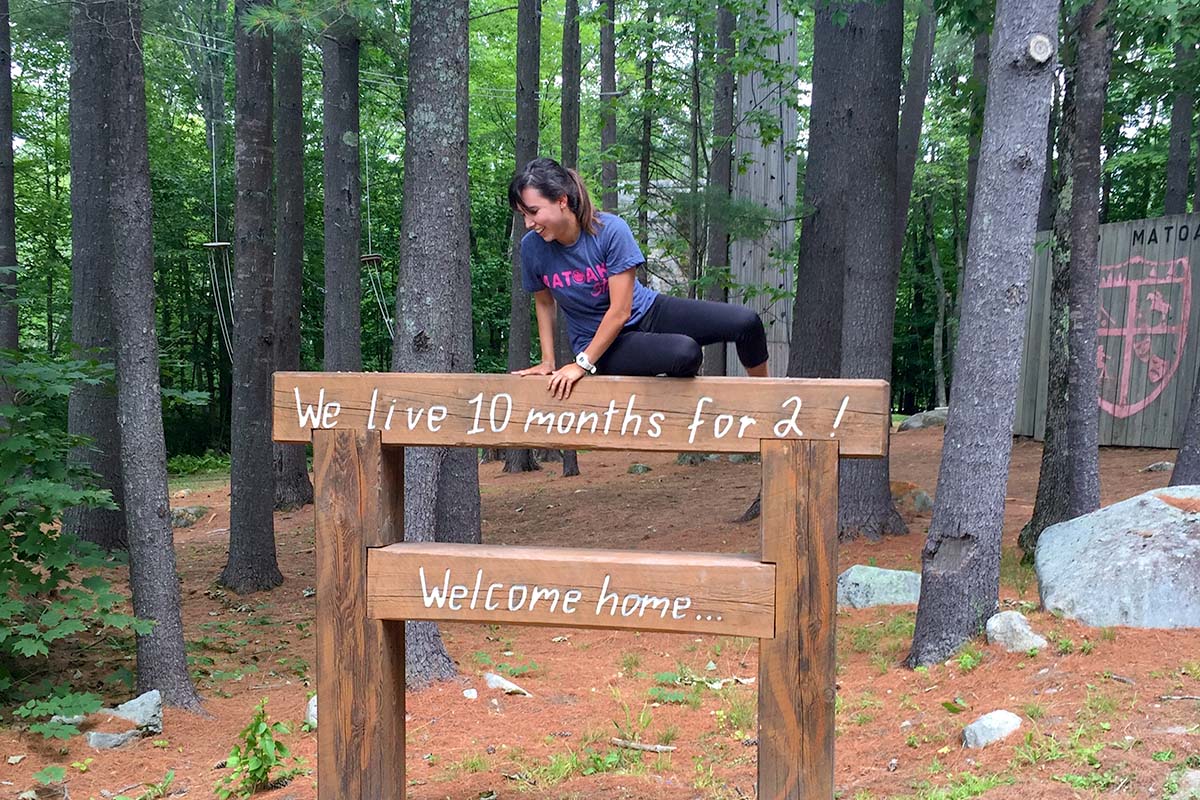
252,564
979,83
529,33
92,410
570,157
161,653
816,350
343,280
695,265
433,318
720,180
1048,196
939,325
865,506
644,149
608,106
1180,143
293,488
1187,460
916,89
1083,378
960,564
9,339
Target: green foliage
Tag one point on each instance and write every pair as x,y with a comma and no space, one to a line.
259,760
185,464
52,590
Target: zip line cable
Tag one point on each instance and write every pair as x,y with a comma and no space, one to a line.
372,260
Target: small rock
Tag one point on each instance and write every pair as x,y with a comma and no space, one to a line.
16,759
111,741
75,720
893,765
1189,785
1011,630
182,493
145,711
187,516
495,681
744,458
310,712
861,586
990,728
471,694
1159,466
926,419
638,469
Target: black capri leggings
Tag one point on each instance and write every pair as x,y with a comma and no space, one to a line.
668,339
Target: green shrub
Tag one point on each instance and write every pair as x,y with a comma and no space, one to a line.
258,759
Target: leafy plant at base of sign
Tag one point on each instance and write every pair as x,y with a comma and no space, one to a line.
257,755
52,590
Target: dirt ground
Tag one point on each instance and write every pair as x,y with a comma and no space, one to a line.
1093,721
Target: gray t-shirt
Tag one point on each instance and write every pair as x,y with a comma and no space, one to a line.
577,275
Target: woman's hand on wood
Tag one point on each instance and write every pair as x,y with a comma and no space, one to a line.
539,369
562,381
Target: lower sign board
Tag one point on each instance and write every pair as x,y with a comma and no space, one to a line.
671,592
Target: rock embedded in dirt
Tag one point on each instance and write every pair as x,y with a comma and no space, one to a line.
111,741
187,516
1010,629
495,681
926,419
638,469
145,711
1189,785
910,498
1159,466
990,728
861,586
1134,563
310,712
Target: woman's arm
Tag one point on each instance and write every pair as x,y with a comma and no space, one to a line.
547,310
620,307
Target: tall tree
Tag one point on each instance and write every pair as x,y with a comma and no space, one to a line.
529,35
980,62
252,564
1179,147
343,279
1053,501
720,179
161,653
960,564
9,339
916,89
92,410
434,317
569,147
1092,58
817,311
292,485
872,261
645,144
939,286
608,106
1187,461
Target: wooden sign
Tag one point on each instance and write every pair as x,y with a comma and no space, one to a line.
672,592
615,413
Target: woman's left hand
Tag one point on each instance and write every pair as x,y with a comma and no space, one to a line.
564,379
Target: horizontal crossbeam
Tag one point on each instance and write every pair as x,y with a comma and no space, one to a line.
671,592
615,413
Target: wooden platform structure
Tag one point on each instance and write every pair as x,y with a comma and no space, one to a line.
369,580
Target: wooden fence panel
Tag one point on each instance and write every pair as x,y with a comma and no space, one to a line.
1149,333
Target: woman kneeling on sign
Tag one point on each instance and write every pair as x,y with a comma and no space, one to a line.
585,261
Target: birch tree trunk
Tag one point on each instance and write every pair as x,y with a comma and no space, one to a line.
960,564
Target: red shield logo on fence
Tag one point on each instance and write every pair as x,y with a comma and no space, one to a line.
1144,309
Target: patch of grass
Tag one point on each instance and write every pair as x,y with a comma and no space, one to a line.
689,696
1038,748
963,787
1015,574
969,658
739,713
1164,756
630,662
862,718
1033,711
1191,669
881,663
468,765
668,734
1065,647
1108,634
1087,647
517,670
1092,780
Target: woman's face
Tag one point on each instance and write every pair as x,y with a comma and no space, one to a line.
550,219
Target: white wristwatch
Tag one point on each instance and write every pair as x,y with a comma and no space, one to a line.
588,366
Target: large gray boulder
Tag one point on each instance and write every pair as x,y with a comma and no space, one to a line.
926,419
861,586
1133,563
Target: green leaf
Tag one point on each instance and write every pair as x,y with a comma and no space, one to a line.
51,774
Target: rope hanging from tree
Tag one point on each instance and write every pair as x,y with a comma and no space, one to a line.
372,261
218,262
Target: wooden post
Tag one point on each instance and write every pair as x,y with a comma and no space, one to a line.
796,683
359,496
